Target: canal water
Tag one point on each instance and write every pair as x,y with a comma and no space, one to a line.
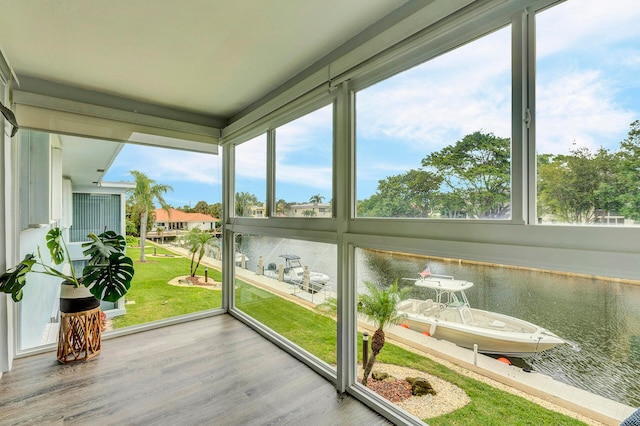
602,317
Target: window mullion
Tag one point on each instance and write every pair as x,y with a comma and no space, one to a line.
519,198
271,174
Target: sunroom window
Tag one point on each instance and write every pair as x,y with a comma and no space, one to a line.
251,177
304,149
435,141
587,112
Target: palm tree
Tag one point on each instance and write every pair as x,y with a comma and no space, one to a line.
160,231
244,200
309,213
281,205
142,199
316,199
197,242
379,306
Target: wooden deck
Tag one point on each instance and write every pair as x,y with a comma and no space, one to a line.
214,371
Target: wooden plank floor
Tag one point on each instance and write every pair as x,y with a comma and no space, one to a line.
215,371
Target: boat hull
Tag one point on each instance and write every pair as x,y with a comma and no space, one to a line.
500,335
492,344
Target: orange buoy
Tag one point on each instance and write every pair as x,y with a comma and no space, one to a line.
404,325
426,333
505,360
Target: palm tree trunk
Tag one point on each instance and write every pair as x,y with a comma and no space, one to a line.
143,234
191,269
368,368
377,342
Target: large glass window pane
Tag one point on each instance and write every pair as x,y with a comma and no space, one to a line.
435,141
97,173
587,112
280,282
304,169
251,177
174,279
496,298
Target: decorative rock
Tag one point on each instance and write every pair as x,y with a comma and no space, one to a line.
420,386
379,375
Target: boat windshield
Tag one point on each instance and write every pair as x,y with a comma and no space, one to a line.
452,298
295,263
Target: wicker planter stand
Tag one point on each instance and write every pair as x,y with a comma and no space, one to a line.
79,336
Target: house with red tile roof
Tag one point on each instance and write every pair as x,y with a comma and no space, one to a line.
176,220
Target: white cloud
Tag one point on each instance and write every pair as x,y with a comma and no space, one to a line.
172,165
304,151
588,63
579,108
586,24
305,177
435,104
166,165
251,158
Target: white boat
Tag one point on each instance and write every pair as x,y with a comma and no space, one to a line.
240,257
294,273
448,316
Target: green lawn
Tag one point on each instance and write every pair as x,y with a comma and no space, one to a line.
155,299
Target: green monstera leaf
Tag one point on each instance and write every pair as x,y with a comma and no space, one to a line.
101,247
109,282
56,246
12,281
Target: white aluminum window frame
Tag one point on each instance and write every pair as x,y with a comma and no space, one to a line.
599,251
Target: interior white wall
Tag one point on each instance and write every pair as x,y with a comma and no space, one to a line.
4,352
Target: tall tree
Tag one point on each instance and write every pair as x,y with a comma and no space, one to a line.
575,187
409,194
379,305
281,205
244,200
316,199
197,242
142,199
628,176
201,207
477,168
215,210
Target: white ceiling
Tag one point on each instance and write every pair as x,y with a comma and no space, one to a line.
213,57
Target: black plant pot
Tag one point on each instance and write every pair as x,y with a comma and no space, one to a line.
76,299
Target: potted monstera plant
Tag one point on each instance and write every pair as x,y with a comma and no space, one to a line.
107,276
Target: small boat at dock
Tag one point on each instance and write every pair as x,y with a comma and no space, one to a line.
294,273
448,316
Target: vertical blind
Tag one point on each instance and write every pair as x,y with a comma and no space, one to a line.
94,213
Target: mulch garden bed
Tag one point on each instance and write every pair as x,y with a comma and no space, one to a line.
394,390
199,281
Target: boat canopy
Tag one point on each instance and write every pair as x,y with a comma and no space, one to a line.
290,256
446,284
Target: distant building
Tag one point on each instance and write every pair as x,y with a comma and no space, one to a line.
177,220
309,210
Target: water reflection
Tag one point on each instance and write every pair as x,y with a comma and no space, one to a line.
603,317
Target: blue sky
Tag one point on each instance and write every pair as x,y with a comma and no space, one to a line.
588,92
